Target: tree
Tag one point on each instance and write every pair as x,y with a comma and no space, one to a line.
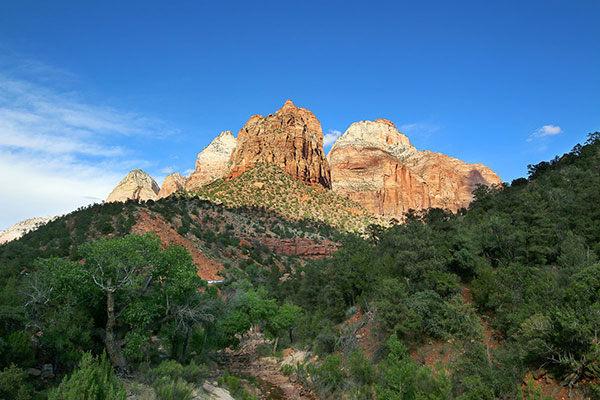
121,267
285,320
139,287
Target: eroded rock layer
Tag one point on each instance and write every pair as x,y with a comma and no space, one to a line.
375,165
291,138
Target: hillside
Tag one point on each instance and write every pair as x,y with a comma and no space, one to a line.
268,186
215,235
498,301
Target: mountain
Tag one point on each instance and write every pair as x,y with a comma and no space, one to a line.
137,185
377,166
291,138
372,164
21,228
213,161
172,184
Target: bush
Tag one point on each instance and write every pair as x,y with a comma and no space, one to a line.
172,369
13,384
169,389
329,376
235,387
94,379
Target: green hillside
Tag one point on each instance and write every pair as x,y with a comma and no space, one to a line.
501,301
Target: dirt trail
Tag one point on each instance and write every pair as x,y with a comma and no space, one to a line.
272,383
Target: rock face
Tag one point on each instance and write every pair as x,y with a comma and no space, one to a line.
213,161
172,183
21,228
291,138
137,185
376,165
301,247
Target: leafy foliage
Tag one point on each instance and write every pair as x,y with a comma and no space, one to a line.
93,379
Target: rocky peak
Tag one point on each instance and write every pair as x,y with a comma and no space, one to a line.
291,138
171,184
213,161
380,134
137,185
218,150
375,165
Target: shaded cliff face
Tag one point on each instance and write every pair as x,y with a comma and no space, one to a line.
172,183
213,161
291,138
375,165
137,185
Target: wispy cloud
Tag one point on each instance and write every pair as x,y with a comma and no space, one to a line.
57,150
419,128
330,137
546,130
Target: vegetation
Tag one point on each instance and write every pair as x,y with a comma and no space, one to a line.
268,186
507,288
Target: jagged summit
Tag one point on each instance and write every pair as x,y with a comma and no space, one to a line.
292,139
137,185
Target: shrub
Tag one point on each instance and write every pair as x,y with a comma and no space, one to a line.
169,389
94,379
175,371
329,376
13,384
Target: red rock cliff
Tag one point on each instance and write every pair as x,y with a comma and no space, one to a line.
291,138
375,165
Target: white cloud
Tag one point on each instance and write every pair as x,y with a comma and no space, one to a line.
167,170
546,130
330,137
59,152
34,186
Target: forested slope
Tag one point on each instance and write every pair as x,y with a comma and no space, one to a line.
504,296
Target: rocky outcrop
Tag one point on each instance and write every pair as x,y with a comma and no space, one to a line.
21,228
301,247
213,161
377,166
291,138
137,185
172,183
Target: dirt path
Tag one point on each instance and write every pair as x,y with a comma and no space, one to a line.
266,371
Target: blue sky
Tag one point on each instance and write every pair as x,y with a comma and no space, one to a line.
90,90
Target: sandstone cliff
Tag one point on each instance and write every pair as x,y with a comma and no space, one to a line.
291,138
137,185
375,165
213,161
172,183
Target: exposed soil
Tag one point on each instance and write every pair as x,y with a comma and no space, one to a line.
266,371
147,221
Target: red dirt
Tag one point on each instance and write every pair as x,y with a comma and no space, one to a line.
147,221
